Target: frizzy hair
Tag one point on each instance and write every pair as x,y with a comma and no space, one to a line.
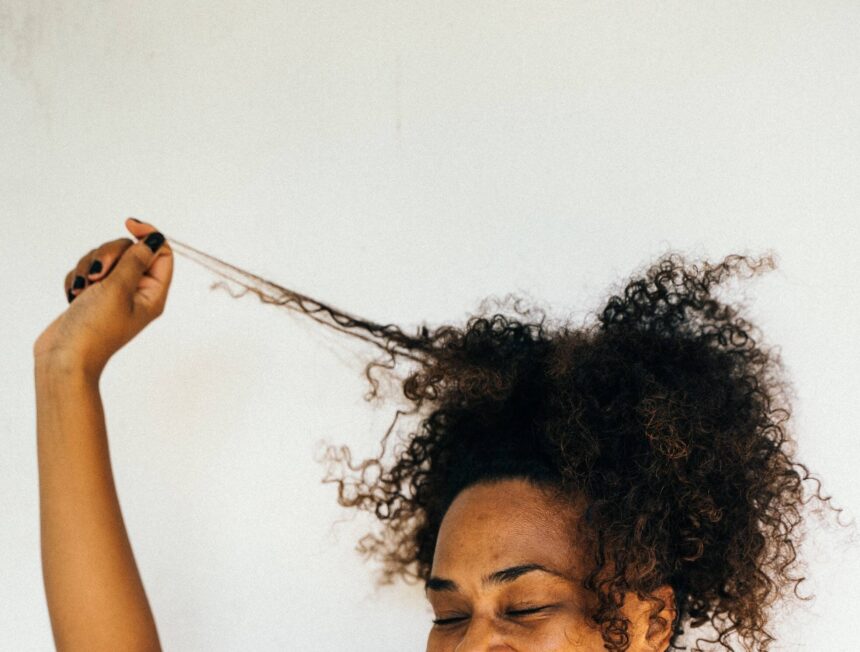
667,414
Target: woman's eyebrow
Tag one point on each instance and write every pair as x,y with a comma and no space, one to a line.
502,576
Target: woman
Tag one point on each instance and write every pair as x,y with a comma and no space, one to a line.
567,489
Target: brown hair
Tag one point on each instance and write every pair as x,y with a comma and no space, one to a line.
667,414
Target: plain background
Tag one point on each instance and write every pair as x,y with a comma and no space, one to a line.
402,161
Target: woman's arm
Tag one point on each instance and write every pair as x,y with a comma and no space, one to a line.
95,595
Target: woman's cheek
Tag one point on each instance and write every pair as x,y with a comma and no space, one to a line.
555,633
558,633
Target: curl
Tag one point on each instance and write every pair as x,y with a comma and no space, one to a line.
666,413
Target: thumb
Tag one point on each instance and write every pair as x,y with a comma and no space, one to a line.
130,275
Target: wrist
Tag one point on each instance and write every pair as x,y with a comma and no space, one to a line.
62,364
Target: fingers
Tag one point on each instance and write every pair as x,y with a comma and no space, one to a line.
75,281
98,263
101,261
67,286
161,268
139,229
142,273
105,257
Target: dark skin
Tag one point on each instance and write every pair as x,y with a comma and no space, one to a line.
488,527
96,599
665,388
511,523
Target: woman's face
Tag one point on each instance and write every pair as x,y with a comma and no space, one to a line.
486,583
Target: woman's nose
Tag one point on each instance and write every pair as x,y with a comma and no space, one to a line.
482,635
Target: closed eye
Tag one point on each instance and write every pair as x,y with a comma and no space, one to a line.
448,621
526,612
515,613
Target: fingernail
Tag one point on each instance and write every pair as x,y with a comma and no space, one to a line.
95,268
154,241
70,296
79,282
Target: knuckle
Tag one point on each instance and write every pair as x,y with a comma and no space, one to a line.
139,257
113,249
83,259
118,245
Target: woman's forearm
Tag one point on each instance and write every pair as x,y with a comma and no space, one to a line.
95,596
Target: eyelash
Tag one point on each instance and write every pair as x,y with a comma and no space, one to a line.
518,612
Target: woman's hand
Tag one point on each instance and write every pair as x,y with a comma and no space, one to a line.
108,307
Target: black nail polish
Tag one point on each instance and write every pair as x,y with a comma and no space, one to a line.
79,282
154,241
70,296
96,267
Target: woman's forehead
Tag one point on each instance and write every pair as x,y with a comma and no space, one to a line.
505,522
508,498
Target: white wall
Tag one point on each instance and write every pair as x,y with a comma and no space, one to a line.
402,161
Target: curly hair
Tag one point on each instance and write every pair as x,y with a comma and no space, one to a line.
666,414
